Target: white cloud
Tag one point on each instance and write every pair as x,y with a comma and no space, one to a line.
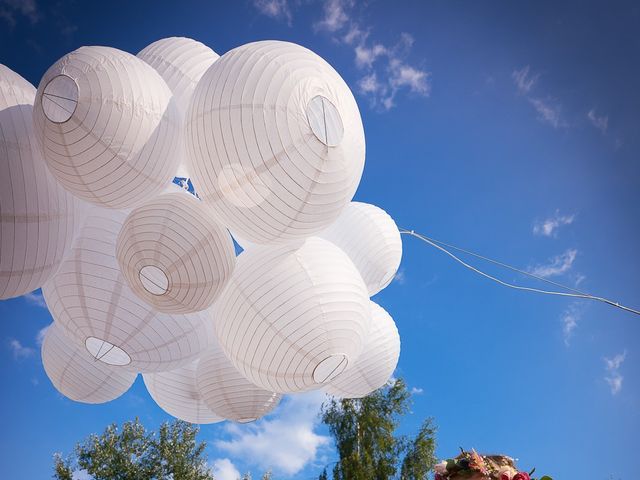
417,391
35,298
403,75
548,112
613,377
524,80
369,84
26,8
600,122
335,15
365,56
40,335
276,9
20,351
549,227
556,265
284,442
224,469
570,319
400,277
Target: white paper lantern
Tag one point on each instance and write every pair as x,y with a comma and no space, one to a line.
376,363
291,318
228,393
174,255
38,218
176,393
107,126
181,62
371,239
76,374
90,299
275,141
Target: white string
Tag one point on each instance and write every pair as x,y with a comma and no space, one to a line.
574,293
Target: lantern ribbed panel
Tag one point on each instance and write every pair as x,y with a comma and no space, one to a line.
181,62
107,126
376,363
175,392
371,239
90,299
175,237
37,216
76,374
228,393
275,141
290,319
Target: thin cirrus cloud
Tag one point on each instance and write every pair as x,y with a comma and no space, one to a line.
385,70
601,122
613,377
570,319
291,430
11,10
20,351
549,111
35,298
549,226
556,265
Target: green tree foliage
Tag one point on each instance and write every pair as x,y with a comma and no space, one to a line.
132,453
366,441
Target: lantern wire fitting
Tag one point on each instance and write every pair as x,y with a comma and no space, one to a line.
571,292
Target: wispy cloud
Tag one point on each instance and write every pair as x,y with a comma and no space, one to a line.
601,122
549,227
20,351
400,277
224,469
613,377
417,391
35,298
335,15
548,112
10,9
556,265
276,9
570,319
40,335
524,80
285,442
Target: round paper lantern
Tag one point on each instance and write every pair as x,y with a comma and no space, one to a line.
174,255
176,393
291,319
181,62
76,374
90,299
228,393
275,141
371,239
376,363
107,126
37,216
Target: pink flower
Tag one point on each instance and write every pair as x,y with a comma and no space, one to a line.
521,476
440,468
506,473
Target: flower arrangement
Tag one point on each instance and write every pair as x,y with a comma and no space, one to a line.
473,466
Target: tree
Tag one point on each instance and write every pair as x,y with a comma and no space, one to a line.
131,452
364,434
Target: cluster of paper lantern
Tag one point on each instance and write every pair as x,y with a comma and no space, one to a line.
142,276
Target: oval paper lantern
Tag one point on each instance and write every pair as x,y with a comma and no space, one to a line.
275,141
174,255
176,393
76,374
371,239
107,126
291,318
228,393
181,62
90,299
37,216
376,363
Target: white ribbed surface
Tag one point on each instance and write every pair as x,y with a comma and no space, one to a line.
90,299
118,145
371,239
176,393
275,162
228,393
37,221
287,310
176,234
376,364
75,373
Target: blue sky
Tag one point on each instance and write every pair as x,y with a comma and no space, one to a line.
507,128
